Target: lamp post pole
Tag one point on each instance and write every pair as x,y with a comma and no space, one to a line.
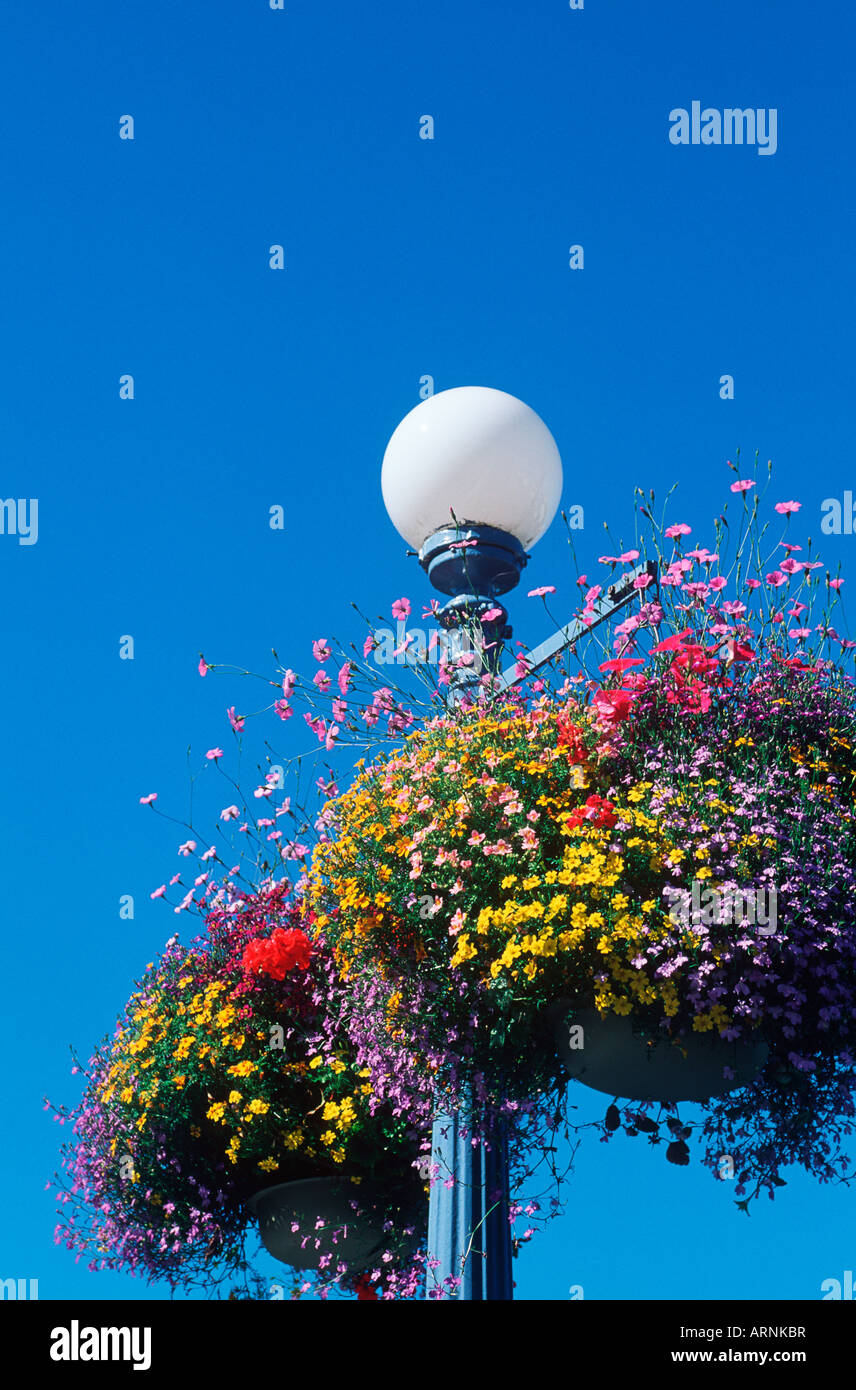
469,1231
466,453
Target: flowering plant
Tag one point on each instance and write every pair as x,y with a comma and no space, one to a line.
674,841
228,1072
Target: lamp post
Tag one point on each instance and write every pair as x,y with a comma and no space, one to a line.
471,479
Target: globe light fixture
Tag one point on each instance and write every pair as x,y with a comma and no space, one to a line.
471,479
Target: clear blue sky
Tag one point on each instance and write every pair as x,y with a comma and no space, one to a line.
404,257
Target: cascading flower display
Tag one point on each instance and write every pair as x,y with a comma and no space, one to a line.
661,830
228,1072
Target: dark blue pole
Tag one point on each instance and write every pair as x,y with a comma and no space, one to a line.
468,1228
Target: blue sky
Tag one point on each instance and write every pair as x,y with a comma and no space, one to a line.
404,257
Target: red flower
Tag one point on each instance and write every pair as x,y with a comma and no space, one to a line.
595,811
278,953
570,737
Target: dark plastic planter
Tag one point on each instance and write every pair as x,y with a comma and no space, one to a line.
355,1237
618,1062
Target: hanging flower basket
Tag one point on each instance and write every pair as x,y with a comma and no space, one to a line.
316,1221
609,1055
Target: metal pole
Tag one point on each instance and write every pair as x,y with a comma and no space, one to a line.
468,1228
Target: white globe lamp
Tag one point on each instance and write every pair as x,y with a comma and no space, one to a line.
469,473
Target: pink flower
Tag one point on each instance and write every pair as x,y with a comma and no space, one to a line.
539,593
202,668
214,753
401,609
743,485
147,800
628,556
642,581
344,677
322,680
289,681
159,892
613,705
673,643
790,566
776,579
785,508
680,528
332,735
753,583
491,615
230,813
621,664
800,633
187,848
320,649
718,583
835,583
456,923
236,720
283,709
369,644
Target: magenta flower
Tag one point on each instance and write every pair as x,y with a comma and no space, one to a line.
785,508
401,609
680,528
742,485
321,649
236,720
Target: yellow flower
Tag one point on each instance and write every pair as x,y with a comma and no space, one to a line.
241,1068
235,1097
216,1111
